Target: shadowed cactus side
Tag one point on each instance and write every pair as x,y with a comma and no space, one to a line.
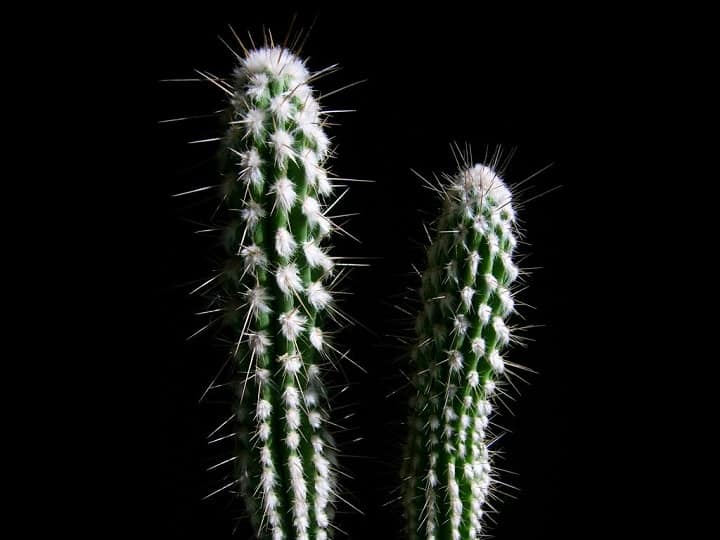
461,332
276,296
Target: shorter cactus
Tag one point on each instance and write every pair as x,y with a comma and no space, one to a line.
461,332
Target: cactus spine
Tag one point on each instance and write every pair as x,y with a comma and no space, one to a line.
275,187
461,332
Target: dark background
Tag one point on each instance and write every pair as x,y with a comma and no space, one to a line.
549,85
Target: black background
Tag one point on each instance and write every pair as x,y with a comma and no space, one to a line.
550,85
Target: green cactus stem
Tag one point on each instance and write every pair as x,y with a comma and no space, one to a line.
275,294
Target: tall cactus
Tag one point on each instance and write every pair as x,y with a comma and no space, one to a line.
275,296
461,332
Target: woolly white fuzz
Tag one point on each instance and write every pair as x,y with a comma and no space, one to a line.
266,458
255,121
282,142
461,325
311,398
285,243
262,375
493,243
316,339
250,162
288,279
309,161
267,479
259,342
484,313
501,331
314,419
456,505
285,195
491,281
264,408
292,363
292,417
281,107
275,61
321,140
314,372
478,346
322,465
432,478
316,257
257,86
510,269
481,181
473,379
258,299
490,387
291,397
293,439
315,217
307,119
292,324
252,214
455,359
253,257
474,259
324,186
496,362
480,225
318,297
484,407
322,517
263,431
317,444
299,489
467,294
507,304
481,422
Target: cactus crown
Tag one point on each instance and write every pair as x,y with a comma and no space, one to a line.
275,294
466,297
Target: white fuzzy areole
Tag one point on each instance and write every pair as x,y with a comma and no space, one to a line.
255,121
288,279
482,181
258,299
284,193
282,142
285,243
292,324
316,339
316,256
318,297
277,62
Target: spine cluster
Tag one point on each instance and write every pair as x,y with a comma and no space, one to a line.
276,290
461,333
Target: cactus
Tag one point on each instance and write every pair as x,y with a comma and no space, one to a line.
461,332
275,298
